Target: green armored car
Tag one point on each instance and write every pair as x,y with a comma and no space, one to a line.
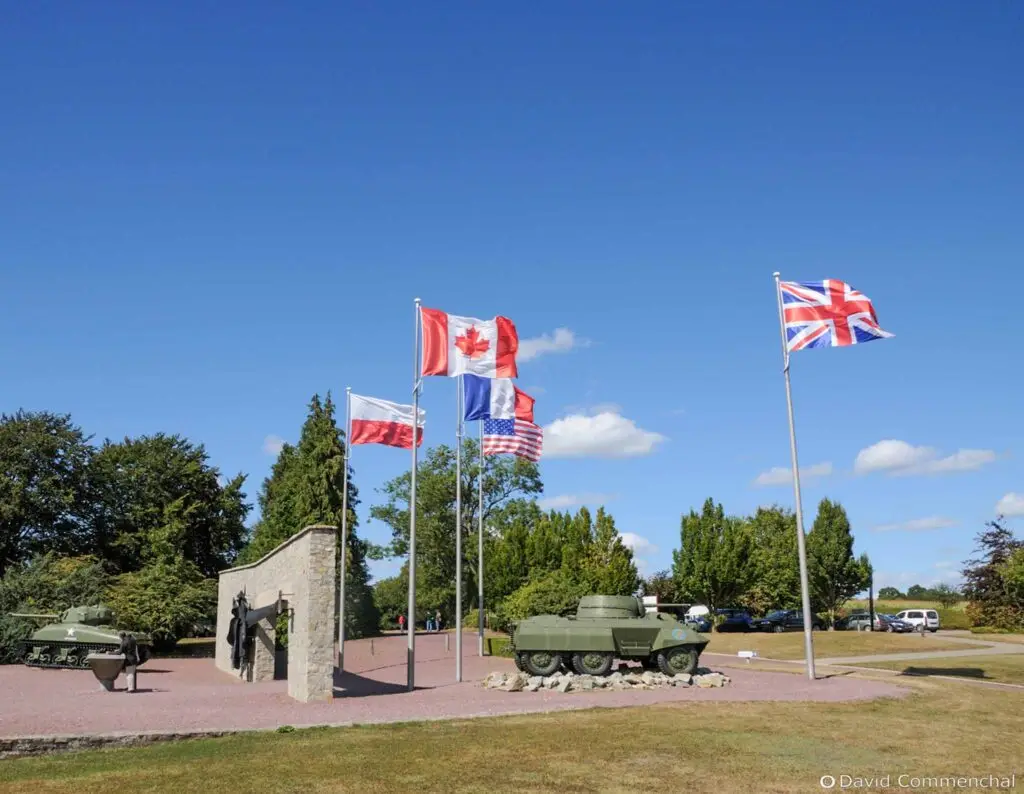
74,634
603,629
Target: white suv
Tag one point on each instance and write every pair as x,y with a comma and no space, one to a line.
929,618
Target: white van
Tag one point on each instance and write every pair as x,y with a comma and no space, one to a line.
918,617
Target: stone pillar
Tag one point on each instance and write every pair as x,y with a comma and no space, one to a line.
311,637
263,650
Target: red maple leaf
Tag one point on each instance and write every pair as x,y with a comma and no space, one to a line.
472,345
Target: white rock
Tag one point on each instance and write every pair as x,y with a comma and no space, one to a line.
552,682
535,682
531,687
584,682
565,685
516,682
682,678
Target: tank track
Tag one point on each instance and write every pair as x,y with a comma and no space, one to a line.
63,655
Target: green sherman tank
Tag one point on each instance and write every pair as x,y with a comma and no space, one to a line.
77,632
603,629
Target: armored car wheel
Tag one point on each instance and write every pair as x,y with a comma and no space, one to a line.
682,659
520,660
592,662
542,662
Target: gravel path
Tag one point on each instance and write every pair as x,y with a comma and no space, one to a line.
191,695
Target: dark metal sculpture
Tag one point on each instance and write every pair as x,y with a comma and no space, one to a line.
240,633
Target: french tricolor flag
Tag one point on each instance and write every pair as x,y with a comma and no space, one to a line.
495,398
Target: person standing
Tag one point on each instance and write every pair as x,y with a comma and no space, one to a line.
401,622
437,620
130,648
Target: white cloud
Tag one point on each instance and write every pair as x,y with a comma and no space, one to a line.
572,500
607,434
780,475
641,548
534,391
900,458
561,341
639,544
272,445
1011,505
917,525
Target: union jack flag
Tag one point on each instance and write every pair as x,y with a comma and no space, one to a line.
827,313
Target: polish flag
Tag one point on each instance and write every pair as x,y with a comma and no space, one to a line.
376,421
497,398
460,345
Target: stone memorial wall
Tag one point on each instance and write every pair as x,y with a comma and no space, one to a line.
300,572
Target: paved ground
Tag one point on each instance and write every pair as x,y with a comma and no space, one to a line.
191,695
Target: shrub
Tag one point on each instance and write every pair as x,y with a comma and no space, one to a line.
498,646
953,619
470,619
166,599
553,594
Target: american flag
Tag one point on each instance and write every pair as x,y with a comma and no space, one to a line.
513,435
827,313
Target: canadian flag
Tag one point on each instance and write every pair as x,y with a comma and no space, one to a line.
376,421
464,345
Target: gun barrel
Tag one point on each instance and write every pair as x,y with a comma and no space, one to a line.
32,615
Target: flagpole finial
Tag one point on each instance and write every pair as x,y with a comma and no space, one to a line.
775,274
348,389
416,301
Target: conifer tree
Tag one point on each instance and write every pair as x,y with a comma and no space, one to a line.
306,487
833,574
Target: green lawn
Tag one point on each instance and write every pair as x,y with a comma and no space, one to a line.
790,645
1008,668
943,728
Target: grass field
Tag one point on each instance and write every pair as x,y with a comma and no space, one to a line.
893,607
1007,669
999,637
790,645
943,728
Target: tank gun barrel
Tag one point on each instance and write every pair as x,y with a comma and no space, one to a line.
33,615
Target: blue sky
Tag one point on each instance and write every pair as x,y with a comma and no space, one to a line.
211,212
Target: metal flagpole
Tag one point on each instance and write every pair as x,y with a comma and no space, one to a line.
800,541
480,547
344,530
411,630
458,533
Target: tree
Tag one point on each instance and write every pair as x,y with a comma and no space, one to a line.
917,591
507,482
946,595
155,485
711,565
890,594
776,579
608,567
833,574
306,486
662,585
990,601
1012,573
391,597
43,496
169,598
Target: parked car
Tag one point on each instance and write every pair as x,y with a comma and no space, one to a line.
735,620
786,620
897,625
917,617
860,620
699,622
